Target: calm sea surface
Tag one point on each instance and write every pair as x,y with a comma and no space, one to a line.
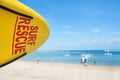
103,57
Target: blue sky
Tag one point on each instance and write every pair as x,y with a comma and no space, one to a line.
80,24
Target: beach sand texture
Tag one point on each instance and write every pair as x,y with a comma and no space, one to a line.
25,70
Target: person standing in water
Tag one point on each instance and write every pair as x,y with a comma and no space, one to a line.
85,61
82,60
37,60
94,61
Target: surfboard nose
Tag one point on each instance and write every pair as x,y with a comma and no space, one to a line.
23,30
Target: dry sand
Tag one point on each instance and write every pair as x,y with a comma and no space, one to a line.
25,70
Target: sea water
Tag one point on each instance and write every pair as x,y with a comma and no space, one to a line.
75,56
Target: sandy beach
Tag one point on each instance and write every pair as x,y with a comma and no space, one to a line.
25,70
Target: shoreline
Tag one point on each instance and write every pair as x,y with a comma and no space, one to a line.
29,70
75,65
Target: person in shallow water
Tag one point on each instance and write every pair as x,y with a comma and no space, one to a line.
85,62
94,61
37,60
82,60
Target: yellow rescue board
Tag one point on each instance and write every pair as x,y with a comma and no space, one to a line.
22,30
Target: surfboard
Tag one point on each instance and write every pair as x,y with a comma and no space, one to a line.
22,30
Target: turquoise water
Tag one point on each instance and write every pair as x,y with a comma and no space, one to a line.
74,56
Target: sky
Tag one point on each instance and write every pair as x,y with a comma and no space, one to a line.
80,24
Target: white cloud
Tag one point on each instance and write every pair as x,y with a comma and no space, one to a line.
66,33
116,33
65,27
115,40
96,30
95,40
84,41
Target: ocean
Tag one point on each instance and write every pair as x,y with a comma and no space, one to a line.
102,57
